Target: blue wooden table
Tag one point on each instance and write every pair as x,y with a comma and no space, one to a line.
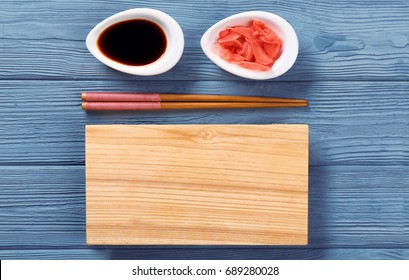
353,67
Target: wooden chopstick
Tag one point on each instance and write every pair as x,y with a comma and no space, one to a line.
158,97
115,106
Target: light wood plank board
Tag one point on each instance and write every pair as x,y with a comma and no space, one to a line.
197,184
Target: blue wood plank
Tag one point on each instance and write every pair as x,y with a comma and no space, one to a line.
352,67
350,123
47,254
261,253
44,206
46,39
183,253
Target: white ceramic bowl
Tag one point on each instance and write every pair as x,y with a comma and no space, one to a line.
279,25
174,36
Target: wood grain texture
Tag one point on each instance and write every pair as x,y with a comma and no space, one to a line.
351,123
43,207
370,43
207,253
197,184
352,66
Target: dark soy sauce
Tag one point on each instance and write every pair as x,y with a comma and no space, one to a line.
133,42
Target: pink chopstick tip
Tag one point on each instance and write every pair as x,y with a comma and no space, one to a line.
120,106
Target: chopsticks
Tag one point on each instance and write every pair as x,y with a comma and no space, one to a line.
96,101
131,106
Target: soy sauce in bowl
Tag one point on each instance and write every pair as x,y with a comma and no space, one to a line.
141,42
134,42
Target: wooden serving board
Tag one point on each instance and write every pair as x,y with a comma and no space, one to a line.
197,184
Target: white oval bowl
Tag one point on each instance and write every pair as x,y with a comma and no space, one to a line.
279,25
174,37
